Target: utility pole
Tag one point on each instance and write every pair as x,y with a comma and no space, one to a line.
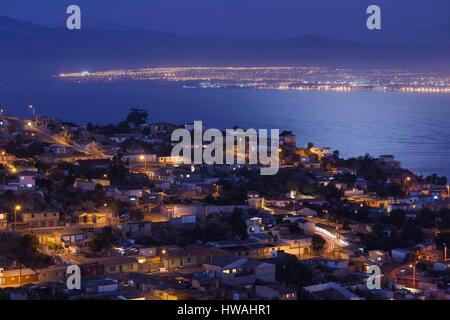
33,110
16,208
445,252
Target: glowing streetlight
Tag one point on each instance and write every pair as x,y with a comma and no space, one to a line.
164,252
414,265
17,208
445,252
33,110
144,159
293,194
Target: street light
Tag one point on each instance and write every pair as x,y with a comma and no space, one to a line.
414,265
162,194
33,110
143,158
16,209
445,252
164,252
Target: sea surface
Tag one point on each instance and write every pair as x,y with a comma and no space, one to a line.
414,127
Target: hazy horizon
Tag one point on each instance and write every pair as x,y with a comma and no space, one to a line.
403,21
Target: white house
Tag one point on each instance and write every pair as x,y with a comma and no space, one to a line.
140,158
307,212
240,271
331,290
334,263
27,180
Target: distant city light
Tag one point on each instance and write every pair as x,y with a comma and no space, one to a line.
279,78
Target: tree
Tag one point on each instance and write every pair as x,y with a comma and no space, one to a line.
117,171
212,228
104,240
238,224
137,215
372,241
412,232
391,190
427,218
330,192
346,225
4,295
396,217
25,251
137,117
435,179
444,218
317,243
292,271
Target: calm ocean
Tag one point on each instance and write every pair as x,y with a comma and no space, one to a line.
413,127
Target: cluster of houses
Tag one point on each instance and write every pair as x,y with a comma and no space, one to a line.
171,196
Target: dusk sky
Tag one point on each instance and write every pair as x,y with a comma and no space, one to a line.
279,18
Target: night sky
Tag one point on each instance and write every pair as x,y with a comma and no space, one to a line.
262,18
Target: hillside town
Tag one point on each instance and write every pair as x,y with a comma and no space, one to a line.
141,225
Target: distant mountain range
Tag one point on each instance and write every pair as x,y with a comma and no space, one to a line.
29,50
